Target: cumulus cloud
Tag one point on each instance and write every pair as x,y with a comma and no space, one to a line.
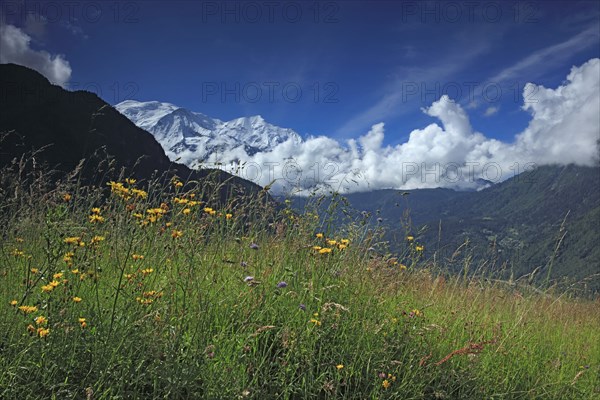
16,48
564,128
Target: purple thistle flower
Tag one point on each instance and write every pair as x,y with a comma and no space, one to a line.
254,246
282,284
248,278
244,264
302,307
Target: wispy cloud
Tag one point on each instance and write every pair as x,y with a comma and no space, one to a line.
538,62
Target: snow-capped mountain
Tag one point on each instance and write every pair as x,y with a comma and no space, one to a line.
192,138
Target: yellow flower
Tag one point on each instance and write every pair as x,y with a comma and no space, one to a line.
72,240
13,303
137,257
67,197
130,181
317,247
77,299
82,322
186,211
43,332
228,216
34,270
41,320
147,271
97,239
208,210
416,312
345,241
402,266
28,309
176,234
339,366
342,246
57,275
96,218
410,238
96,210
315,321
331,242
138,215
142,194
319,235
47,288
419,248
54,283
325,250
386,384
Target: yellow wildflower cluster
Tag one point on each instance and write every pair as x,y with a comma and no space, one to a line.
82,322
95,216
75,241
209,211
97,239
28,309
331,244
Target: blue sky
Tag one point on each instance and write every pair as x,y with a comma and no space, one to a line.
332,68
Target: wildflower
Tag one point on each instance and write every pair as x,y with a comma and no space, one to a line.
147,271
96,218
74,240
177,184
43,332
315,321
415,313
228,216
208,210
138,215
178,200
31,328
419,248
82,322
77,299
28,309
319,236
75,271
339,366
18,253
410,238
97,239
325,250
19,240
382,375
142,194
342,246
345,241
54,283
186,211
47,288
96,210
13,303
41,320
282,284
302,307
34,270
244,264
331,242
137,257
176,234
253,246
317,247
248,278
67,197
58,275
386,384
130,181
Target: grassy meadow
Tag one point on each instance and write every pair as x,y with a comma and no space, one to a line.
144,290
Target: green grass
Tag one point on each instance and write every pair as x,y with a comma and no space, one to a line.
183,323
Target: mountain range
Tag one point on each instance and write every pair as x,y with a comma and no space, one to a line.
73,125
192,137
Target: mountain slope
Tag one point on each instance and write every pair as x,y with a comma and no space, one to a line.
193,137
74,125
514,225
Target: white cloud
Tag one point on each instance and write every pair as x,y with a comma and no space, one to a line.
15,45
491,111
564,128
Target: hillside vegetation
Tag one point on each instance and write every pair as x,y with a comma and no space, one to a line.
139,290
